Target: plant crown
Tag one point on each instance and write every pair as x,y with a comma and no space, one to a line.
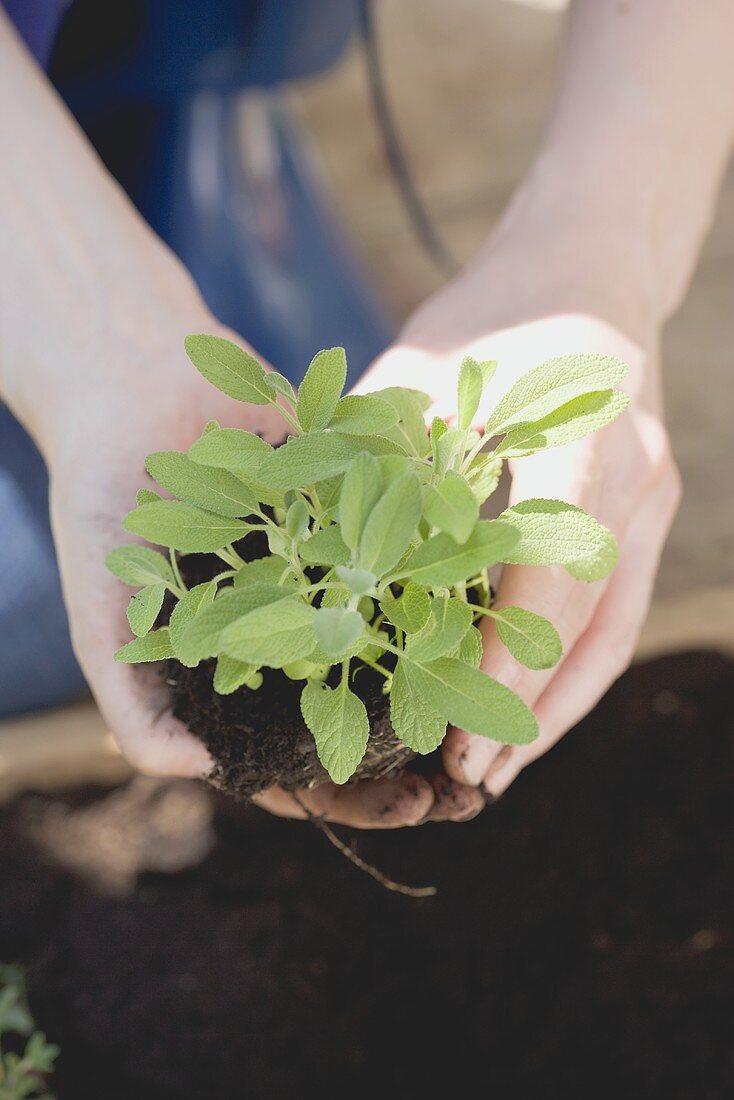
377,555
21,1075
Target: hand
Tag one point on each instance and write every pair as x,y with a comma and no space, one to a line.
624,475
97,465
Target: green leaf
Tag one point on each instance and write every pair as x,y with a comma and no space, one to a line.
155,646
448,449
471,648
138,565
185,610
230,674
417,724
271,635
144,607
472,701
145,496
531,639
411,611
321,389
577,418
488,368
471,384
451,506
336,597
340,727
442,562
183,526
483,476
439,428
230,368
361,489
269,569
296,520
551,385
410,432
216,490
326,547
450,620
337,629
281,385
363,414
391,525
306,459
358,581
230,449
201,636
552,532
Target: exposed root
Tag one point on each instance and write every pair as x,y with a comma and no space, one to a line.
361,864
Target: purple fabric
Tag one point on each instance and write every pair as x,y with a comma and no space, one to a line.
37,22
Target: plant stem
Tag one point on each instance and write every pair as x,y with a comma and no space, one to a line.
177,573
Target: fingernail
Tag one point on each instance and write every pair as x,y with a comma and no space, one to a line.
474,762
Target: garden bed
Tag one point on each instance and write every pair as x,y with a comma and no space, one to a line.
579,941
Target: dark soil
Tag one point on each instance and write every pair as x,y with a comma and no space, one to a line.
259,738
580,944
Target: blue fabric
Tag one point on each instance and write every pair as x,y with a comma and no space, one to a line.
263,249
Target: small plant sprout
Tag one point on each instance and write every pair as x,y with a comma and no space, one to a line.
373,553
22,1076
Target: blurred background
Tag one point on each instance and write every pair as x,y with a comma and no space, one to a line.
584,923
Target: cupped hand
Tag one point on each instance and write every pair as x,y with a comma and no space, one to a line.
623,475
97,464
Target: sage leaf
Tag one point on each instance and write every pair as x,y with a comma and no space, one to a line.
183,526
340,727
416,723
201,636
411,611
145,496
185,610
231,449
471,384
471,648
361,489
155,646
306,459
326,547
577,418
358,581
363,414
483,476
144,608
410,432
229,674
139,565
320,390
337,629
551,385
451,507
391,525
531,639
230,368
442,562
449,622
271,569
552,532
472,701
271,635
216,490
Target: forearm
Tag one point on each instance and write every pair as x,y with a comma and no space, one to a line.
84,283
626,179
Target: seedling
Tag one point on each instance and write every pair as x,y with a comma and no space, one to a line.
22,1075
378,557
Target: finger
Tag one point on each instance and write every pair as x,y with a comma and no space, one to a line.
607,647
550,592
454,801
369,804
